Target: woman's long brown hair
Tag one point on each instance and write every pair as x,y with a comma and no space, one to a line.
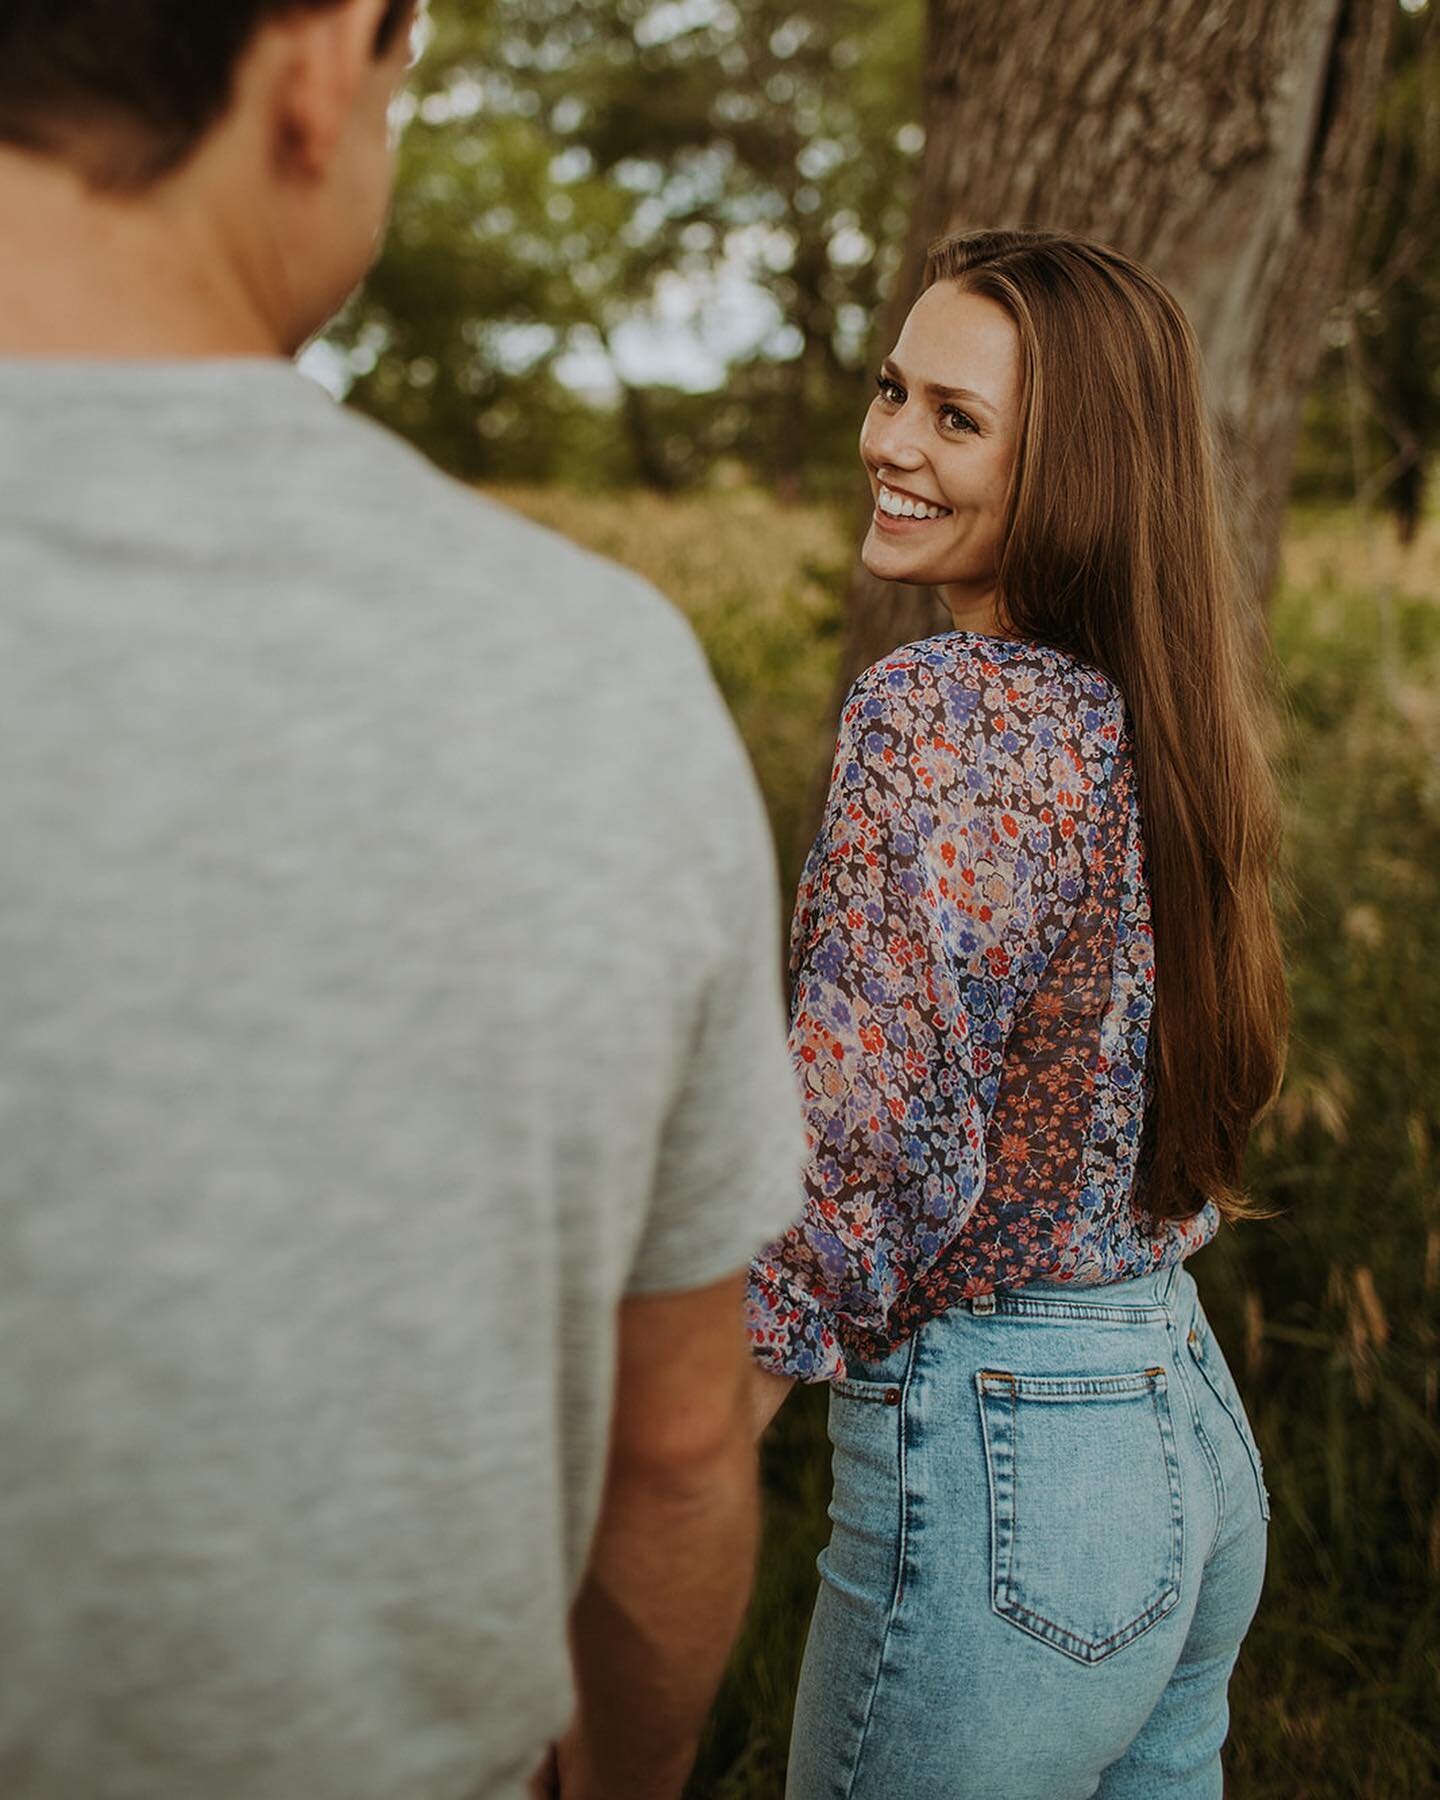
1116,552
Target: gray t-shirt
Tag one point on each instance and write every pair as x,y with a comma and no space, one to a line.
389,977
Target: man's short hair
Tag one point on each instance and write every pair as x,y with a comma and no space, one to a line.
126,89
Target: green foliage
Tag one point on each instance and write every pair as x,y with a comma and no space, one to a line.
568,162
571,166
1330,1312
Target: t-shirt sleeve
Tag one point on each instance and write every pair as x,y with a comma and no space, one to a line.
948,867
728,1174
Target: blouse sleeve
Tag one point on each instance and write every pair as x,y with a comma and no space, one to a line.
948,867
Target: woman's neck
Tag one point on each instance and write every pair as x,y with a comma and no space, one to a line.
970,611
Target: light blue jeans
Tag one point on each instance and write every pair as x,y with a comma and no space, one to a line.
1049,1541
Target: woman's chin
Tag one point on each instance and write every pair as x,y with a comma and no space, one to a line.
887,562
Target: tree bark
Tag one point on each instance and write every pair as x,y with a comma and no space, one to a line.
1222,145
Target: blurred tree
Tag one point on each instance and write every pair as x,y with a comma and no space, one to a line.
1373,419
1223,146
572,166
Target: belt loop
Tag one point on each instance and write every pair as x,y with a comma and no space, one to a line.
983,1305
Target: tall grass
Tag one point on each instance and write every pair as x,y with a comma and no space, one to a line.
1331,1311
1334,1306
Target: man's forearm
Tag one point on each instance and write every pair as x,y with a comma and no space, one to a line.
668,1583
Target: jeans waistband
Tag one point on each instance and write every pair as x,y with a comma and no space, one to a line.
1141,1299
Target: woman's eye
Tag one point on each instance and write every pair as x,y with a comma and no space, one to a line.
890,391
955,420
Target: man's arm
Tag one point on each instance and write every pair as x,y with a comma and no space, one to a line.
673,1558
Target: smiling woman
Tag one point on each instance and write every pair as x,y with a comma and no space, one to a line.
939,453
1037,1002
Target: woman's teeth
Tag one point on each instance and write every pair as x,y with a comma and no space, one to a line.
901,506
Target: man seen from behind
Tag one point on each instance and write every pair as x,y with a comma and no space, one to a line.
393,1085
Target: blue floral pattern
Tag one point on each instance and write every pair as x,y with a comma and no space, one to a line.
973,981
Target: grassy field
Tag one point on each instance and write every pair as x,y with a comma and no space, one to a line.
1331,1311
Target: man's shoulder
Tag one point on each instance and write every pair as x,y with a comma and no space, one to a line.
457,542
589,648
248,464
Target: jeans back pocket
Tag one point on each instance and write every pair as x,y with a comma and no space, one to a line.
1085,1505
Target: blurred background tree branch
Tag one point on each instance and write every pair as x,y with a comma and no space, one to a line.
643,242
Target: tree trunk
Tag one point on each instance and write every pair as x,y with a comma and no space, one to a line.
1222,145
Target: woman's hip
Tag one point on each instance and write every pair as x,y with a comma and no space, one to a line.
1026,1495
1042,1440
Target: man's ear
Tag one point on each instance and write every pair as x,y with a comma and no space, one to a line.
314,63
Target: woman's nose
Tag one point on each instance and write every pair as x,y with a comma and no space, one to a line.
889,439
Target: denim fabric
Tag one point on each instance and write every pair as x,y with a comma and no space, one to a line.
1049,1541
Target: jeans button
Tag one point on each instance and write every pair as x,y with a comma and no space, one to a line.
892,1396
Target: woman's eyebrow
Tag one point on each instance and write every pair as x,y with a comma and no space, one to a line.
938,389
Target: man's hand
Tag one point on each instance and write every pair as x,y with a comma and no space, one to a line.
768,1393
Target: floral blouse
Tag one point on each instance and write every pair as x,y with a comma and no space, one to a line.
973,979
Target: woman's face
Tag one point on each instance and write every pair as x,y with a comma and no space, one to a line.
938,444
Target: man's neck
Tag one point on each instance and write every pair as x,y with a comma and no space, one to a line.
107,276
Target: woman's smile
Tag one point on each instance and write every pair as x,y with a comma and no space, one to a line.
898,510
